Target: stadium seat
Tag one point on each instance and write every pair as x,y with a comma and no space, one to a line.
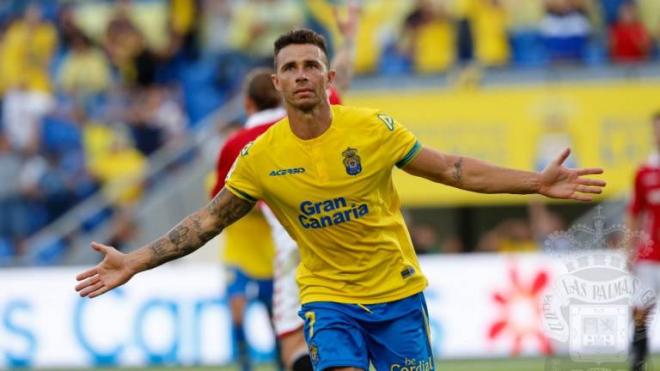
95,219
49,251
526,49
394,63
7,251
60,135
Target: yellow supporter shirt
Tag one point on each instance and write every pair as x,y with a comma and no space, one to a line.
490,34
249,246
26,54
335,196
434,47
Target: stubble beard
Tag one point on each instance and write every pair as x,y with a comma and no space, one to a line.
305,107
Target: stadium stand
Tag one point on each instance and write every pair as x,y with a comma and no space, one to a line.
94,93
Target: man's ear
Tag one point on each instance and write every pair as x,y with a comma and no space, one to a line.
276,82
331,76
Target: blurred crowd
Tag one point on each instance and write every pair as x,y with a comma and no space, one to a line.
437,35
90,89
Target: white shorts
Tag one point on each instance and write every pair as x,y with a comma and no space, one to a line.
286,296
648,274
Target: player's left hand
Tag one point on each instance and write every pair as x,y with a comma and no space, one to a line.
558,181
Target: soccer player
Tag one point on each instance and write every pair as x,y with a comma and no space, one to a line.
644,212
249,249
325,172
264,111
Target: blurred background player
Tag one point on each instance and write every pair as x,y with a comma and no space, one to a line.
263,108
645,215
249,251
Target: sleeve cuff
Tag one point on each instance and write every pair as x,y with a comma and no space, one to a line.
414,151
240,194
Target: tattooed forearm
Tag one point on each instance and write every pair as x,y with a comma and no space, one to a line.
198,228
158,247
458,171
228,208
179,235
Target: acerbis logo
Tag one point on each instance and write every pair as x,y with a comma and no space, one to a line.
292,171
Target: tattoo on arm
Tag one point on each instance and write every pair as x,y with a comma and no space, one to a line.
458,171
198,228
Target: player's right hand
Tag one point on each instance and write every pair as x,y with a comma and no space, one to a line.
111,272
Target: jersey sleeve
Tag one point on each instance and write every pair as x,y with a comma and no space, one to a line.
638,199
222,166
241,179
399,142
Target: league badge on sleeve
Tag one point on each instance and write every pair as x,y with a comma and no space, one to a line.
245,149
387,120
352,161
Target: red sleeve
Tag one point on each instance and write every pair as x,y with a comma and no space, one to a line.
333,95
226,158
231,149
638,200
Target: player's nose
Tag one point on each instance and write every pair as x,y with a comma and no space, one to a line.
302,78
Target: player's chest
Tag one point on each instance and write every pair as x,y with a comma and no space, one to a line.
341,165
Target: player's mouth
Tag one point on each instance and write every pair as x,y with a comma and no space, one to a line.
303,91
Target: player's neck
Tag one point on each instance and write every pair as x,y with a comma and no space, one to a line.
309,124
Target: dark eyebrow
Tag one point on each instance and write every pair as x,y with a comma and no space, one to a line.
312,61
287,64
306,62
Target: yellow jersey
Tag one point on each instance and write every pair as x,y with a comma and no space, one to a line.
335,196
249,246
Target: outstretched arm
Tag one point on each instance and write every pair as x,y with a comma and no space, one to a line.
187,236
555,181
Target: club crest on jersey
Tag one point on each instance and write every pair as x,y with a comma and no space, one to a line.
352,161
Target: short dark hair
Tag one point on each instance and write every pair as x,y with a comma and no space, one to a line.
259,87
300,36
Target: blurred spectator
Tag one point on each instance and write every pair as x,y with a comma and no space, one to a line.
119,169
216,26
127,48
491,44
155,119
424,238
85,69
565,29
10,167
123,229
378,34
256,24
453,245
544,222
67,26
649,12
183,27
629,40
523,15
27,48
510,235
428,36
611,10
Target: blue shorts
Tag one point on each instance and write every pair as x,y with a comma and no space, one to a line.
241,284
392,336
